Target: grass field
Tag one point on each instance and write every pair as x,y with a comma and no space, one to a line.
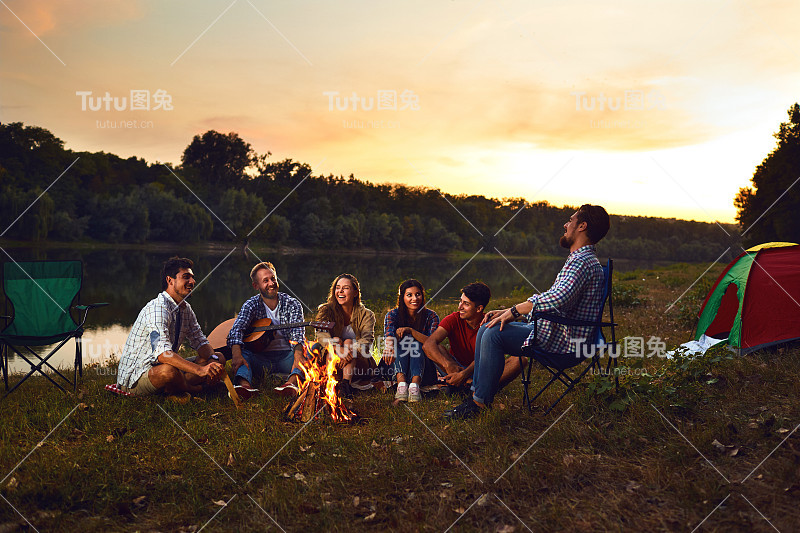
709,444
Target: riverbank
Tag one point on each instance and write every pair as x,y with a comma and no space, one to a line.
212,247
682,444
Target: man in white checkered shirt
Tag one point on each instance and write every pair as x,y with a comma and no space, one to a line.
577,293
149,364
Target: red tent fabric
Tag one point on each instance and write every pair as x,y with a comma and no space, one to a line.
771,310
755,302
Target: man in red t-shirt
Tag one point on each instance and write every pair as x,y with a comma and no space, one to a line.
461,328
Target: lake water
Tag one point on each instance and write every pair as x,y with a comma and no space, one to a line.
128,279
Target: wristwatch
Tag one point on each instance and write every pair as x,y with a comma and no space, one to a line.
514,312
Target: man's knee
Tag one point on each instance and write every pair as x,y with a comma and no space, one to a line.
163,375
492,335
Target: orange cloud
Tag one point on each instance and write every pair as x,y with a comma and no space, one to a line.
58,16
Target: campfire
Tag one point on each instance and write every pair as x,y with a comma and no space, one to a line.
318,396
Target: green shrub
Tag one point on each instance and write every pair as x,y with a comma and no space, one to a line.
627,295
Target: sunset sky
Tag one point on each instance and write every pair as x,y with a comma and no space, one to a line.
649,108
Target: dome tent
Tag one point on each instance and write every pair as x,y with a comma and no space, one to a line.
755,302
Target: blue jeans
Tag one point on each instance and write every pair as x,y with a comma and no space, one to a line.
491,346
274,362
412,361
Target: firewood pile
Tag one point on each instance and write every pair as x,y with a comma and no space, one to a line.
319,396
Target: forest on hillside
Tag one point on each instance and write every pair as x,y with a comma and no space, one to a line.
224,191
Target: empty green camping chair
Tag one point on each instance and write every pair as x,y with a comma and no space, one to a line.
42,294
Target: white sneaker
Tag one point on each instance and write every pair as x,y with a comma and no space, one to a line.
414,394
402,392
288,389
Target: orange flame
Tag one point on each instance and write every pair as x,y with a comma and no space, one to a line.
325,377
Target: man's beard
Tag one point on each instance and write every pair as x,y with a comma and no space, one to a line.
565,242
266,295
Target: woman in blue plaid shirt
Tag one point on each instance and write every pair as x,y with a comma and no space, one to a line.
406,328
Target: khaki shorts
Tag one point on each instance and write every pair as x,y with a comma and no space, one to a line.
143,387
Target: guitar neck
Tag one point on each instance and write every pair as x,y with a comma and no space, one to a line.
281,326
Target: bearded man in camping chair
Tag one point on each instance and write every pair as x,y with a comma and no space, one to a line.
576,293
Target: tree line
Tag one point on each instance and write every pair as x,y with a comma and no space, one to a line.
105,198
767,210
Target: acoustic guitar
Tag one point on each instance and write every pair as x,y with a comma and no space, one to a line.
258,336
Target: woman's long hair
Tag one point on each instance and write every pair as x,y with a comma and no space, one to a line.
405,320
332,311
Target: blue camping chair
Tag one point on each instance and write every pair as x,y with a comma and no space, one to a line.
558,363
42,294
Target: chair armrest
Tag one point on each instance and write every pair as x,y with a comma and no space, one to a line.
89,306
570,321
85,309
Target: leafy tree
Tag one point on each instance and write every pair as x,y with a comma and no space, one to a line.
275,230
774,182
33,156
68,228
112,199
37,215
353,229
383,230
311,233
240,211
218,161
172,219
118,218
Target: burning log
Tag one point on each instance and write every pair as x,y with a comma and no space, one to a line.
319,395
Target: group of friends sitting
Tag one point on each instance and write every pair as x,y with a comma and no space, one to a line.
487,349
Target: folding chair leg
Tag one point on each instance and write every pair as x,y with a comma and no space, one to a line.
612,361
34,369
559,399
78,363
530,402
43,361
4,363
567,381
526,381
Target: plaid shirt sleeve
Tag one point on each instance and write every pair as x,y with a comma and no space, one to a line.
431,323
191,328
576,293
292,312
159,324
390,324
247,314
149,338
565,290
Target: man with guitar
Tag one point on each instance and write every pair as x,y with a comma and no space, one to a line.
275,352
